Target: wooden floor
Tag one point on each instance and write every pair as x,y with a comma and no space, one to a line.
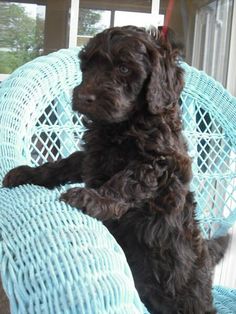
4,305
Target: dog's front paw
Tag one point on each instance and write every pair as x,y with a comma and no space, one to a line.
74,197
87,200
93,204
17,176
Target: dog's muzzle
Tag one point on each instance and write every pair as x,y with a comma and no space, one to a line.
83,102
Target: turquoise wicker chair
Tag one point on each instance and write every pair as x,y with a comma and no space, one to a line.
53,258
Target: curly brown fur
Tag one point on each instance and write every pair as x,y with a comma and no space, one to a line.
136,168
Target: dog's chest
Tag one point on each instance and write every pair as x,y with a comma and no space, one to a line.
107,157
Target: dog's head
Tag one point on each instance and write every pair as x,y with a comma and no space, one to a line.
124,70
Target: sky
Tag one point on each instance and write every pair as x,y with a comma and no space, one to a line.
34,10
131,18
136,18
121,17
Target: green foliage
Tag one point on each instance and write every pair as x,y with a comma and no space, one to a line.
21,37
87,22
10,60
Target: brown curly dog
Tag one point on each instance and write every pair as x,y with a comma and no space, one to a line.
136,168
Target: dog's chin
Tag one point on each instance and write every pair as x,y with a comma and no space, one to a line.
101,117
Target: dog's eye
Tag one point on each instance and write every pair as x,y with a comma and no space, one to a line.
123,69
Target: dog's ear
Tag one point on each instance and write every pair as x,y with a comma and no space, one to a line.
166,79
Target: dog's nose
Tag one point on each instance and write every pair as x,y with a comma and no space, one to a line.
86,98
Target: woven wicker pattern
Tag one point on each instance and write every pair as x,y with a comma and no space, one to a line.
44,265
36,123
209,116
225,300
56,260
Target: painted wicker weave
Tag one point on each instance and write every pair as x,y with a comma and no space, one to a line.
209,116
47,248
56,260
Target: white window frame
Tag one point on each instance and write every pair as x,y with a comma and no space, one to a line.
155,11
74,19
225,272
231,77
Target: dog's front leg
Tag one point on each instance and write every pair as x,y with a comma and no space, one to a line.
50,174
134,184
